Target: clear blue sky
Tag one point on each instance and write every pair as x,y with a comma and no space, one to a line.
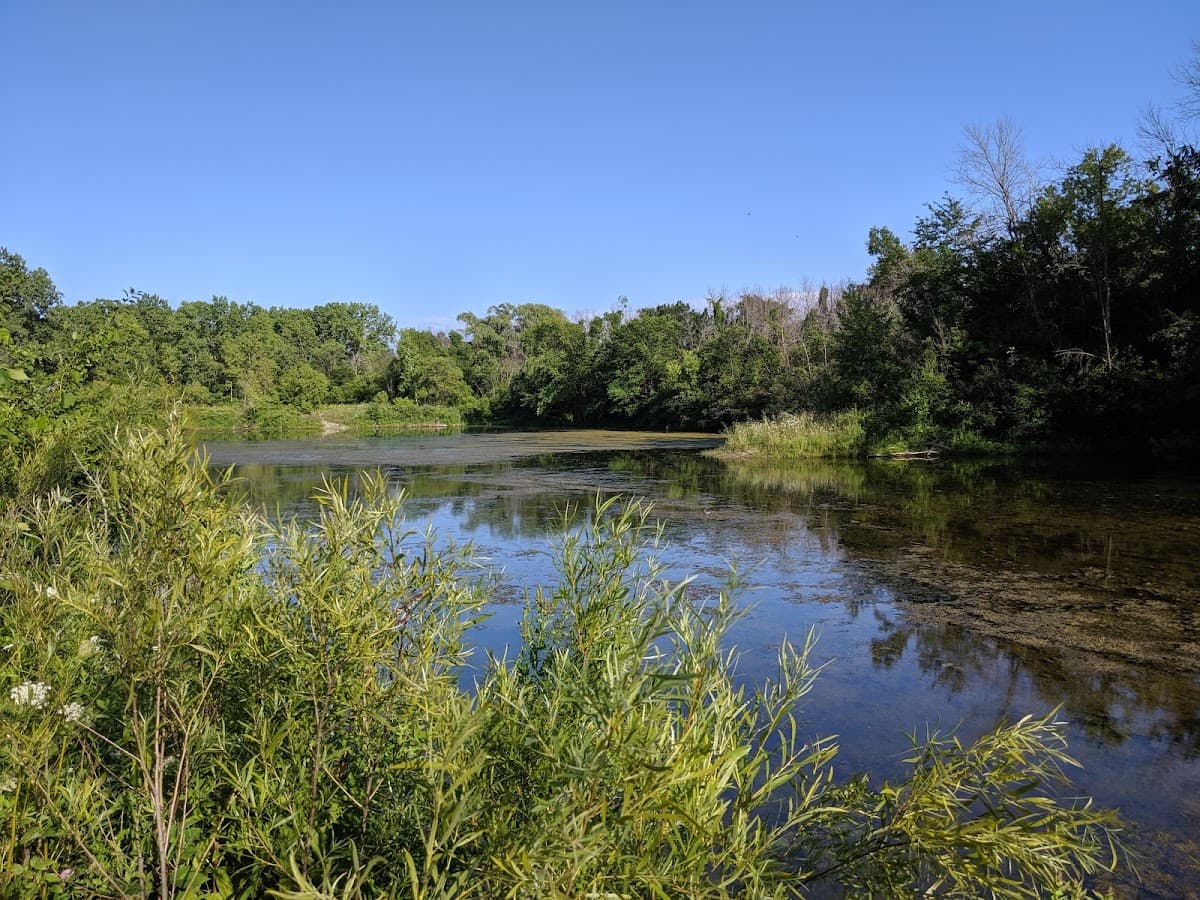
446,156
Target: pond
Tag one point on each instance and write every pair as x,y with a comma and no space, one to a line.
945,595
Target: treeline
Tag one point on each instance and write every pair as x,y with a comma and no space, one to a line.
210,350
1024,312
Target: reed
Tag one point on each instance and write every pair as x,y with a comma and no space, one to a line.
797,436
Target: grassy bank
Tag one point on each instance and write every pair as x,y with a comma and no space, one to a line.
847,435
276,420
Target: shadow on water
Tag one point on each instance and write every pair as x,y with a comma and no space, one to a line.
1091,584
1044,588
948,594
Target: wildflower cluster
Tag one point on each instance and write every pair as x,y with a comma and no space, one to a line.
30,693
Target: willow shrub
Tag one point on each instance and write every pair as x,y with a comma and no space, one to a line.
198,705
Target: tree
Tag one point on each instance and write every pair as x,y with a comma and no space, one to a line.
26,299
1101,216
423,371
996,172
867,370
360,329
636,364
993,167
252,357
303,387
1188,76
549,385
107,339
496,353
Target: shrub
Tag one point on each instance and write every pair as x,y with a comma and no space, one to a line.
403,411
197,705
266,419
303,387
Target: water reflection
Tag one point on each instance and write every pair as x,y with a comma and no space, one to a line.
949,594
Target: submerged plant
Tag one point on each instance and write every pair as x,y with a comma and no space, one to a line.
228,709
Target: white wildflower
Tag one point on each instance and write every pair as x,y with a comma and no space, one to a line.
30,693
72,711
8,784
48,591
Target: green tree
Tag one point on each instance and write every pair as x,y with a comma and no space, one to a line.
27,298
303,387
251,357
496,354
360,329
423,371
1097,199
548,386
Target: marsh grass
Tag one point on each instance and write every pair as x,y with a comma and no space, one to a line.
797,436
226,709
846,434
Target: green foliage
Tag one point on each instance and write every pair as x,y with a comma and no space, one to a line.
59,398
423,372
405,412
798,436
27,298
303,387
267,419
198,705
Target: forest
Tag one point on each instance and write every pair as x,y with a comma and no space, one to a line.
1023,314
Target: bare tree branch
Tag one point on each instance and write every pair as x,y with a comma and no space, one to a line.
1158,134
1188,75
994,169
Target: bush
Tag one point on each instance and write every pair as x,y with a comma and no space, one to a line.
266,419
403,411
197,705
303,387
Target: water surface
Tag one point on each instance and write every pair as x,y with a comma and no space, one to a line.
945,595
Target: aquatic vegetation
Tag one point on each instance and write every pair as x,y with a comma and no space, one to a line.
232,709
798,436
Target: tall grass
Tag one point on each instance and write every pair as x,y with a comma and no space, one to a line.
798,436
197,705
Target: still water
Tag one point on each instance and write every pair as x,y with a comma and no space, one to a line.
944,595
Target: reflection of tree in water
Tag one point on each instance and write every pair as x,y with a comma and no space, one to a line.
287,490
679,476
290,489
1110,704
990,513
521,513
1106,565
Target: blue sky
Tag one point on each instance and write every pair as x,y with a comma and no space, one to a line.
440,157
